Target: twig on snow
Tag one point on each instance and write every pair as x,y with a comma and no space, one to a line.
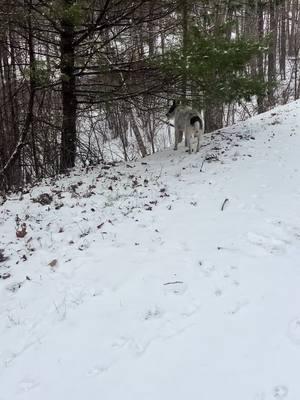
224,204
201,168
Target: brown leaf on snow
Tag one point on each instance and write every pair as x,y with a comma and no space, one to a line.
44,199
6,275
2,256
57,205
20,233
53,263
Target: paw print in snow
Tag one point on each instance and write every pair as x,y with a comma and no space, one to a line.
280,392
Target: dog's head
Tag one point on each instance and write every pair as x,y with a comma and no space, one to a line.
170,114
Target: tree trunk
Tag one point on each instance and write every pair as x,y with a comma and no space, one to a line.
272,53
282,60
5,172
260,58
69,101
184,22
138,135
213,117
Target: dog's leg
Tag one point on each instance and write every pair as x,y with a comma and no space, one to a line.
188,140
180,136
176,139
198,142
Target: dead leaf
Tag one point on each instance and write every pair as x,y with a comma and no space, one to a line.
44,199
20,233
6,275
53,263
2,256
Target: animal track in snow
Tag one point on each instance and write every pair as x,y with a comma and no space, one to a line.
27,384
207,269
280,392
153,314
269,244
238,307
287,230
97,370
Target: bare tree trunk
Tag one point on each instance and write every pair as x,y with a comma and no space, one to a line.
137,135
29,115
69,101
282,59
214,118
272,53
260,58
184,23
292,30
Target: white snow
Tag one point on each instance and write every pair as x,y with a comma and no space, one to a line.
154,291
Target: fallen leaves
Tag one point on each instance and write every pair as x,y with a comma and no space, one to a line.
2,256
44,199
53,263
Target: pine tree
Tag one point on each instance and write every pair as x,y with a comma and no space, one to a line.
216,66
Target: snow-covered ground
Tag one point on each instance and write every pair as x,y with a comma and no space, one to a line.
175,277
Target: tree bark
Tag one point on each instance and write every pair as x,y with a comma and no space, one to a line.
272,53
138,135
69,100
260,58
30,110
282,59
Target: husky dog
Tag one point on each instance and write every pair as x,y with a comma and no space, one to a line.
186,120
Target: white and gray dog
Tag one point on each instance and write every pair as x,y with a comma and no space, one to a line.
187,121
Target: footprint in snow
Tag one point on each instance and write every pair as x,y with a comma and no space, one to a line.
153,314
96,370
176,287
238,307
27,384
280,392
269,244
290,231
207,270
14,287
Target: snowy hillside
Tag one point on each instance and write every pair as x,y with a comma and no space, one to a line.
177,277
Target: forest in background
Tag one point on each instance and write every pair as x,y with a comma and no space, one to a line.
79,77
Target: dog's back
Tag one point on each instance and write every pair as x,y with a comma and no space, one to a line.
186,116
192,125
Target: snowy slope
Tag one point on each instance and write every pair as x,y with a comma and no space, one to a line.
140,281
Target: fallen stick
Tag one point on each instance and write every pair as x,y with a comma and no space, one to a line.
224,203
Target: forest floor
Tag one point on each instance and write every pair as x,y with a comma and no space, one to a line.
174,277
